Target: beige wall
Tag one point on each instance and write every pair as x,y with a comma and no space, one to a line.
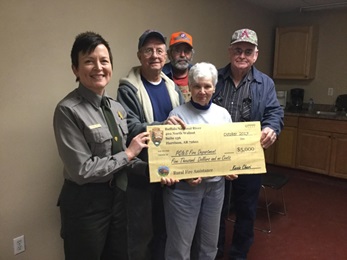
331,56
36,39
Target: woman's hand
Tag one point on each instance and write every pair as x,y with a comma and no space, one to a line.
168,181
231,177
175,120
194,182
137,144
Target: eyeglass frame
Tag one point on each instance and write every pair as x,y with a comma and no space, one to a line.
247,52
148,52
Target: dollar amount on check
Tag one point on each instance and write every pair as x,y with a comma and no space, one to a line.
205,150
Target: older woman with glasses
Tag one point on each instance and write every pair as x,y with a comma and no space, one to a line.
193,207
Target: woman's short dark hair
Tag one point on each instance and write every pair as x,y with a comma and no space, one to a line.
86,43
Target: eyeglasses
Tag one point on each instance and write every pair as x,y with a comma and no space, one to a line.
178,51
149,52
239,51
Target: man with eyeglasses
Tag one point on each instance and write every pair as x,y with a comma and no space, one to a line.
180,54
248,95
148,96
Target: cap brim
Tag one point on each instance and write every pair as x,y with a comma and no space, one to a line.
181,41
251,42
153,34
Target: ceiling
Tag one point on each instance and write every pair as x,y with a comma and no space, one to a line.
283,6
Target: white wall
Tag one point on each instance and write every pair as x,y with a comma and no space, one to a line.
35,73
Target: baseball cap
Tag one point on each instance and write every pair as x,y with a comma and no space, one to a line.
181,37
244,35
150,33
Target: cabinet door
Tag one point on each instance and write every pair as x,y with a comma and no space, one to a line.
339,156
286,147
295,53
270,154
313,151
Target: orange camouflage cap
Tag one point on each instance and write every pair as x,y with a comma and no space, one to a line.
181,37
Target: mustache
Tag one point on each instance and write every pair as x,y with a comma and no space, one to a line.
179,60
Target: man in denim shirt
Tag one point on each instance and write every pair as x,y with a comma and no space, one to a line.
248,95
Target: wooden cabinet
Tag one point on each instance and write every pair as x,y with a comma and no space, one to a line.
295,52
270,154
314,149
286,147
322,146
338,166
311,144
283,151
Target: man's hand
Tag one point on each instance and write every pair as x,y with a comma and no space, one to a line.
268,137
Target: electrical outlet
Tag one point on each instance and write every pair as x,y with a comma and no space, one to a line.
330,91
19,244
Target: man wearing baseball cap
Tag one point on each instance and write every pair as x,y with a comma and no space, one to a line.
248,95
180,54
148,96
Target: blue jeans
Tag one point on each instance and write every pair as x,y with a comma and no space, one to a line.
192,220
245,194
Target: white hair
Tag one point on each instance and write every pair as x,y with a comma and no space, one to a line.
202,70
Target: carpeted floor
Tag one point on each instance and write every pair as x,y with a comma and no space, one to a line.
315,226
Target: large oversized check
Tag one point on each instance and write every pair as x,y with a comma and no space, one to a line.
205,150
